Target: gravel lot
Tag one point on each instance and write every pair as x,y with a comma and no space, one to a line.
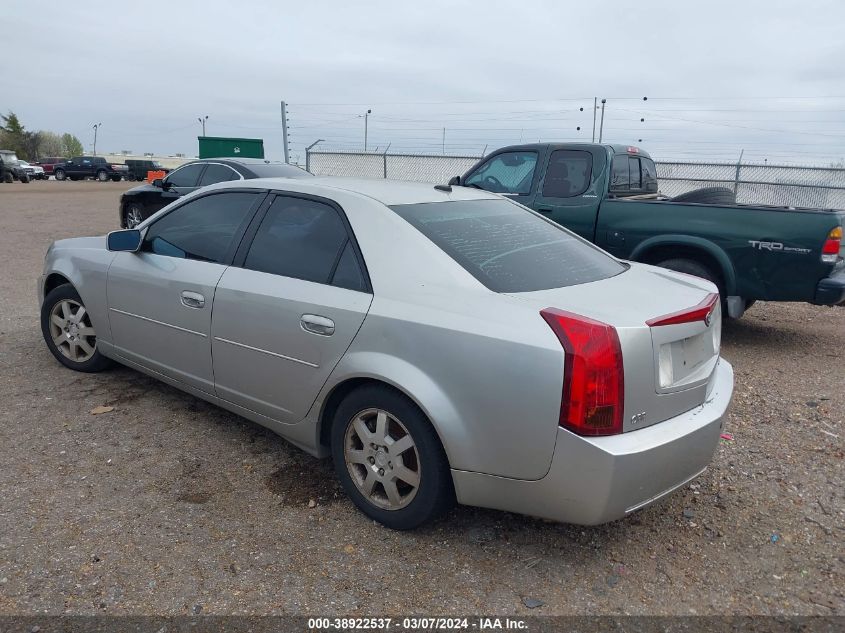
168,505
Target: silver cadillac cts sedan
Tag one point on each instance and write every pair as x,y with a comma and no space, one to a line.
440,344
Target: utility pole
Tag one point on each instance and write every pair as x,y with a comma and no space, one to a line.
601,125
202,121
595,107
285,132
366,119
96,127
444,140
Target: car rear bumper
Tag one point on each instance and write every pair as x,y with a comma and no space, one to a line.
831,290
600,479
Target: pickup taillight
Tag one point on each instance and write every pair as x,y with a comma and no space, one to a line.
830,249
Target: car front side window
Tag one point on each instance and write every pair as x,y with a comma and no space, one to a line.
186,176
508,172
203,229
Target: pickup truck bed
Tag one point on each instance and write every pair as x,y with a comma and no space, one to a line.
597,191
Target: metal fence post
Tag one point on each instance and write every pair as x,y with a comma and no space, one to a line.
384,159
307,160
738,167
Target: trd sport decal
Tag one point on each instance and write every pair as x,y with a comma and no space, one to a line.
777,246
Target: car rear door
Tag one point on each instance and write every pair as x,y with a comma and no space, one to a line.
289,307
160,298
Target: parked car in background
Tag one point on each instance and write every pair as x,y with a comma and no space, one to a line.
34,171
10,167
49,163
82,167
138,168
608,195
438,343
139,203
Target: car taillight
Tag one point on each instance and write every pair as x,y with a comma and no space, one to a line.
702,312
593,381
830,249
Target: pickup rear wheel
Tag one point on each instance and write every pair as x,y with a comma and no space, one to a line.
102,176
697,269
59,174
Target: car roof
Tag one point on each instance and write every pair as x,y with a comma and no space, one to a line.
388,192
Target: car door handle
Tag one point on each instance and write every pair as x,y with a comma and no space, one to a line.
317,324
192,299
544,209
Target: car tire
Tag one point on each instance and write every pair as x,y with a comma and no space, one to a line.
7,177
59,174
115,178
102,176
370,422
70,337
133,215
708,195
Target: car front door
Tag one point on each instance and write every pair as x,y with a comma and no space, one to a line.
511,173
176,184
288,309
568,193
160,297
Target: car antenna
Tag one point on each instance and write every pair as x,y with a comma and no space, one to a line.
446,188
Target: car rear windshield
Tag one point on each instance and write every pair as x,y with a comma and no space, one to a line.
275,170
506,247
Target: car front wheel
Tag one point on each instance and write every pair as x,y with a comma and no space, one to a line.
133,215
68,331
59,174
389,459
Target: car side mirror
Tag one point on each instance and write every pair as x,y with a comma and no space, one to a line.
127,240
158,182
455,180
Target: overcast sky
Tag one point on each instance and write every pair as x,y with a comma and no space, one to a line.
764,76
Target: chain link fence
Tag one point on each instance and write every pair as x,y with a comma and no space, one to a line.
777,185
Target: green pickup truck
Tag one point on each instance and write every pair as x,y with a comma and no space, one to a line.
608,194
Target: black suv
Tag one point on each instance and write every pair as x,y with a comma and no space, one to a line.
82,167
138,168
139,203
10,169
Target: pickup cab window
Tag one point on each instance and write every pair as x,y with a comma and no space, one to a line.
620,179
568,174
508,172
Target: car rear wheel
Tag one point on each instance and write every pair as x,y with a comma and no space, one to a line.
389,459
133,215
59,174
68,331
102,176
697,269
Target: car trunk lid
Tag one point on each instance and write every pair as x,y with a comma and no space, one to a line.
669,328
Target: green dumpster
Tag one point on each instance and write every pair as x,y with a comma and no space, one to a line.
220,147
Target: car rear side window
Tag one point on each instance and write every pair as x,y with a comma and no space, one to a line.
508,248
202,229
568,174
217,173
304,239
186,176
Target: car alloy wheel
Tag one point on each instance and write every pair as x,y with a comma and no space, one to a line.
72,332
382,459
102,176
133,216
59,174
